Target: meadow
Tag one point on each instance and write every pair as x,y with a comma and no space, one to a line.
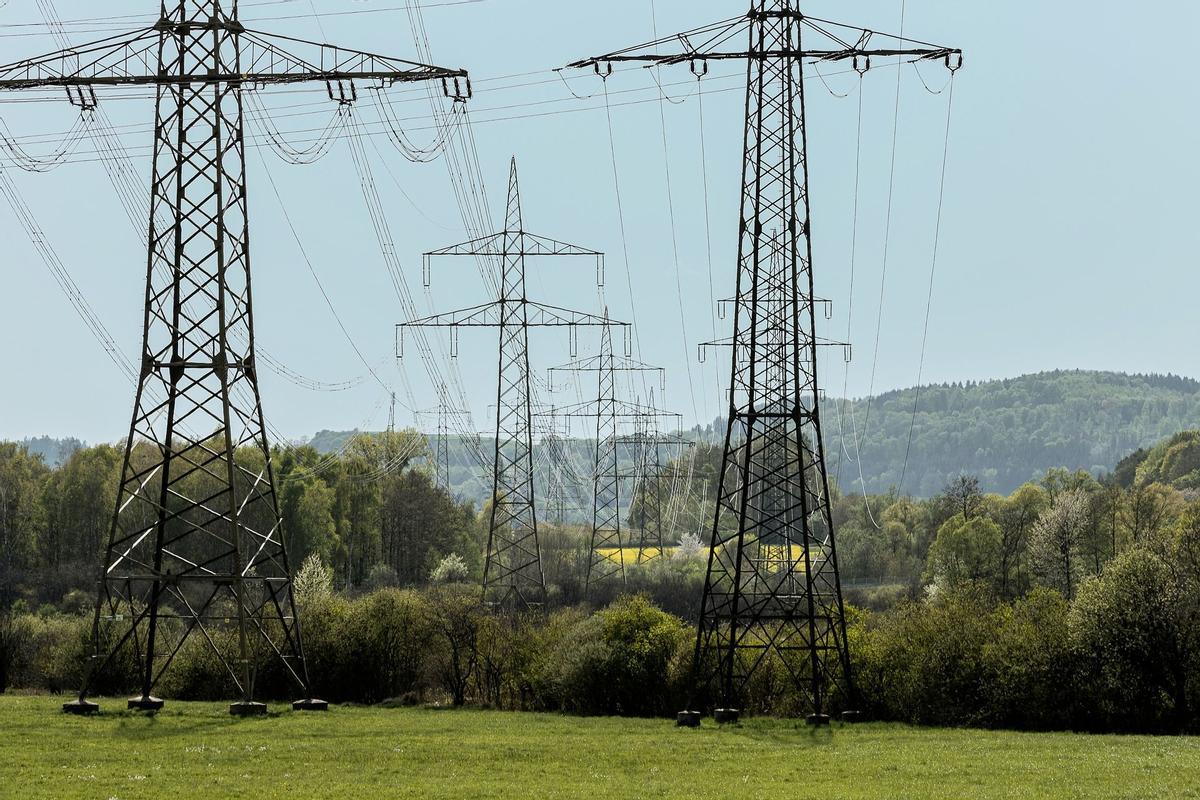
197,750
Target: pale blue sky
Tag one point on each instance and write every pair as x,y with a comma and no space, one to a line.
1068,236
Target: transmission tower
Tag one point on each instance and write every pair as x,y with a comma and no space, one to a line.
513,576
606,473
442,415
606,512
648,444
196,538
772,586
560,473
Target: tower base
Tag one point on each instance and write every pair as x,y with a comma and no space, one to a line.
311,704
150,705
817,720
726,716
247,708
81,707
687,719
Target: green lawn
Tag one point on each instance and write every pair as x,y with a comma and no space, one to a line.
197,750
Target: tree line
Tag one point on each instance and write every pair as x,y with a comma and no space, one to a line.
1071,602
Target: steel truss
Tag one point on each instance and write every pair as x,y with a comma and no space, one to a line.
609,413
772,588
606,472
513,576
196,539
648,444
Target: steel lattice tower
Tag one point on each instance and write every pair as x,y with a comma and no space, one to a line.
648,443
196,538
513,576
559,472
442,415
606,472
609,415
772,587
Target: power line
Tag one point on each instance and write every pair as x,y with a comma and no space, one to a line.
937,235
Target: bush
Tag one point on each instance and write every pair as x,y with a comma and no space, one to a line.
457,615
368,650
1127,632
391,634
14,646
451,569
924,662
1029,667
627,659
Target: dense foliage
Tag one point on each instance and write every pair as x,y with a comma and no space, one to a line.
1071,602
1006,432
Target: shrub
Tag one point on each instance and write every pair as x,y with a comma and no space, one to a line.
457,615
1127,632
391,635
1029,668
924,662
314,581
627,659
451,569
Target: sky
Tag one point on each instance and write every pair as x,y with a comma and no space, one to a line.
1067,236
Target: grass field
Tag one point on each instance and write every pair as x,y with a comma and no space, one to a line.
196,750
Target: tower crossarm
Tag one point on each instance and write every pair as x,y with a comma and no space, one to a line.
501,244
596,364
131,59
743,347
488,315
622,409
513,244
543,315
834,41
482,316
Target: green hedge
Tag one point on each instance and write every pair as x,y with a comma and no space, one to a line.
1125,655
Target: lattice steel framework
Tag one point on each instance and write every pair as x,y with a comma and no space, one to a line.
513,576
772,586
606,471
648,444
196,538
442,415
560,473
609,413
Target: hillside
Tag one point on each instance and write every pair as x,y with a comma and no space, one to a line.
1008,431
1005,431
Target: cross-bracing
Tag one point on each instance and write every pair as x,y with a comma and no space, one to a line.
196,536
772,587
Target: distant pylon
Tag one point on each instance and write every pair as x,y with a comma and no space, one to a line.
606,555
513,576
648,443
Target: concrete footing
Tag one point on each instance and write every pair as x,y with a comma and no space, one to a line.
311,704
145,703
248,709
687,719
81,707
817,720
852,716
726,716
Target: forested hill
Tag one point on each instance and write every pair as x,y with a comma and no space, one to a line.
1007,431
